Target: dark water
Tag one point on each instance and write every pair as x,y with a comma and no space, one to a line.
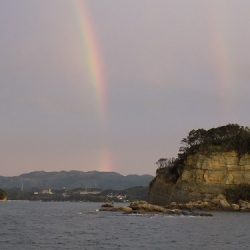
55,225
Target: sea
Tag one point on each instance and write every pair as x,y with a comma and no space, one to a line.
28,225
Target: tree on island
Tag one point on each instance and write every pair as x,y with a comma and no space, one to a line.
231,137
165,163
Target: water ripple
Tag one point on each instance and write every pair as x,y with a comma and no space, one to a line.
40,225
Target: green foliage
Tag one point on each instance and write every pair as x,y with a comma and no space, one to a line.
231,137
3,194
170,168
164,163
241,192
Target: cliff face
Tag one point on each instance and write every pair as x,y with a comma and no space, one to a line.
217,168
204,176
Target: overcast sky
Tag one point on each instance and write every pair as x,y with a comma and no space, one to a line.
170,66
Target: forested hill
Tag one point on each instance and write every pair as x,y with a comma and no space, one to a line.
74,179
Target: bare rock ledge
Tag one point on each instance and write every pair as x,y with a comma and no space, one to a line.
142,207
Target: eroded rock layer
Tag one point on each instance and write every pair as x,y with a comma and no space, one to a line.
204,177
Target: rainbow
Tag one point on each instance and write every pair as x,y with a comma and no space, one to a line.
92,57
95,68
220,52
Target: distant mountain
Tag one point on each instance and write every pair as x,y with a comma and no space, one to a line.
74,179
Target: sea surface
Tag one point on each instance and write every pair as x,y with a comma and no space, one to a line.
77,225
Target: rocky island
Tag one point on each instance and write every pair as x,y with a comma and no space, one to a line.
211,172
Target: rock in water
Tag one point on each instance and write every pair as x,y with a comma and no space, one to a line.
146,207
235,207
110,205
244,205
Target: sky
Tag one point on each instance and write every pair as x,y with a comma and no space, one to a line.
114,85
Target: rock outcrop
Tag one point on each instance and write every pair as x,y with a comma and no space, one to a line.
204,177
143,207
218,203
217,168
3,195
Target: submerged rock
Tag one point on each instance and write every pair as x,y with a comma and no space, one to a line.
109,209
